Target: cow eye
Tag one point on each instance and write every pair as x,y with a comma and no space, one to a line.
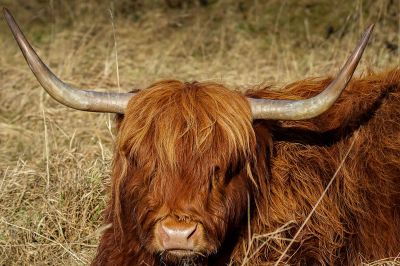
215,177
233,170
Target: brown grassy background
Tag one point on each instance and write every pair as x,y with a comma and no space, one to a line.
55,162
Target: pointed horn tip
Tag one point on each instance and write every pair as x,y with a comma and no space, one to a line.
8,16
369,30
371,26
6,11
367,34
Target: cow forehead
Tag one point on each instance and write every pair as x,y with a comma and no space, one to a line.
177,122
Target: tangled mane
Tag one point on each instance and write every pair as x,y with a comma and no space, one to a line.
183,119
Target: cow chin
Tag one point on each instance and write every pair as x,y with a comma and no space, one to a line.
182,257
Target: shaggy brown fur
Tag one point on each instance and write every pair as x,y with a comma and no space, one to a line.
191,150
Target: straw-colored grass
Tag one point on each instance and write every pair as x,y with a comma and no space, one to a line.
55,162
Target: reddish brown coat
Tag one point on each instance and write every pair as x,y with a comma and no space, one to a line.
192,149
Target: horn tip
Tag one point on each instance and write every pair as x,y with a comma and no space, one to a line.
368,32
371,27
6,11
7,14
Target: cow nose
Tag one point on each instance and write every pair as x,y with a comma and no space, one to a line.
177,235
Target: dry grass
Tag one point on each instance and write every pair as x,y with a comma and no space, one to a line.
55,162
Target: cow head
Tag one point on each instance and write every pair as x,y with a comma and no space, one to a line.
185,165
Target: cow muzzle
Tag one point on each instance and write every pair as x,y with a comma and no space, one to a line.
180,238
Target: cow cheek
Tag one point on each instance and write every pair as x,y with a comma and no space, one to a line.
140,207
237,200
226,209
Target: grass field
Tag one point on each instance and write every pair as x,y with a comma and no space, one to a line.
55,161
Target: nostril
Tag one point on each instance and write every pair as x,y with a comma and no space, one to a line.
193,230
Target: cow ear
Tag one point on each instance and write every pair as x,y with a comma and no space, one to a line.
262,130
120,117
215,177
118,121
264,151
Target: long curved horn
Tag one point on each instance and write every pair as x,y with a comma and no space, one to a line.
312,107
107,102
